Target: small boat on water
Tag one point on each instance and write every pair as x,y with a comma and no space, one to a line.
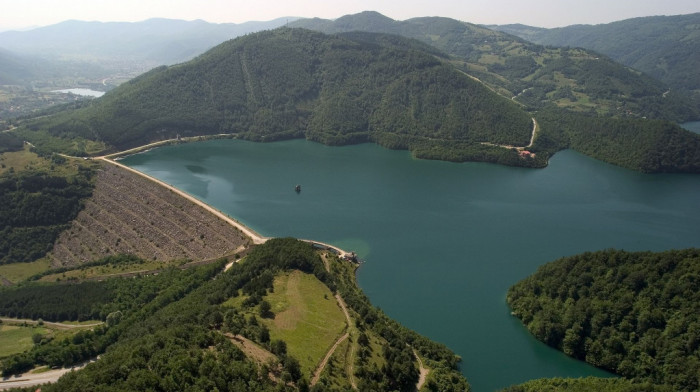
297,188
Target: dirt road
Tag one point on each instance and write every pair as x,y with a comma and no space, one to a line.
29,379
47,323
329,354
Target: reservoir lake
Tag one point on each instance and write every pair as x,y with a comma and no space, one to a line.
442,241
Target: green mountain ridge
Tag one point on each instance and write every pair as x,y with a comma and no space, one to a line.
178,330
291,83
665,47
534,75
583,100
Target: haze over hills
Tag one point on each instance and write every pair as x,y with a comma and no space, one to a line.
24,69
156,41
532,74
13,69
98,56
665,47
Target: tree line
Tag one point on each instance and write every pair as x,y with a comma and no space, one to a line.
636,314
34,208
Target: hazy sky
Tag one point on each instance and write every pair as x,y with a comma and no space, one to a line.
16,14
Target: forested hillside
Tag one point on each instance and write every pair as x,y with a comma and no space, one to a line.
535,75
665,47
634,313
35,207
583,100
291,83
182,330
13,69
649,146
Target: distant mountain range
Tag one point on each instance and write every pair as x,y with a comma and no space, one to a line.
665,47
156,41
20,69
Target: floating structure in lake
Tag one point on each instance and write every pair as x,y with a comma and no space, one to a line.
297,188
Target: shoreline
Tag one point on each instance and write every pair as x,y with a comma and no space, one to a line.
167,142
252,234
255,237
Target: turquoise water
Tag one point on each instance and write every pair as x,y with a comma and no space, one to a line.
442,241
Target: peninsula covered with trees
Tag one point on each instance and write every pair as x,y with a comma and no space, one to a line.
632,313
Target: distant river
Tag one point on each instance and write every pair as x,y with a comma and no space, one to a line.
442,241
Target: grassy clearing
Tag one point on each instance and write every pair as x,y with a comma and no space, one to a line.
15,339
40,369
236,302
17,272
48,330
307,317
376,344
22,160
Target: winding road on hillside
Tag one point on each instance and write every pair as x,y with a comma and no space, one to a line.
319,370
535,128
329,354
423,371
